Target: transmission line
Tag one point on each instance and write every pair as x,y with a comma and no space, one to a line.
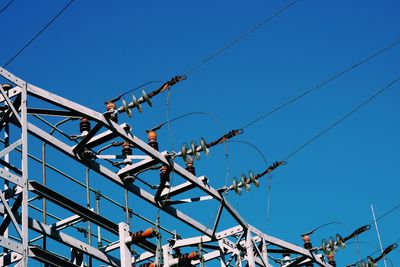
6,6
342,118
39,33
318,86
385,214
253,29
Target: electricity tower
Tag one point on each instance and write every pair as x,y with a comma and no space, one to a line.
27,200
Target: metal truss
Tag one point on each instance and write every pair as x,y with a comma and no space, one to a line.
240,245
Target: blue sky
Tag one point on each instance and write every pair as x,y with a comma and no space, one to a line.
98,49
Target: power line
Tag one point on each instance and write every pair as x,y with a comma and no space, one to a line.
342,119
253,29
5,7
37,34
318,86
385,214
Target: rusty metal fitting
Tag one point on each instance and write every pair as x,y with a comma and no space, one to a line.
98,195
148,264
111,107
195,255
164,174
331,259
307,242
127,178
126,149
142,235
152,137
189,166
165,170
84,125
6,86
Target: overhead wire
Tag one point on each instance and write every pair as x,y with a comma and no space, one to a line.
385,214
269,177
354,110
133,90
38,33
251,30
321,84
6,6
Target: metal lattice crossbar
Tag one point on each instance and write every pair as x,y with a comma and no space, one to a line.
21,224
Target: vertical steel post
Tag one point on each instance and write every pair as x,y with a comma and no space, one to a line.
125,252
264,251
98,197
249,250
6,159
221,254
24,164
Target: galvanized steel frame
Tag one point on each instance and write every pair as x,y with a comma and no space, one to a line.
242,242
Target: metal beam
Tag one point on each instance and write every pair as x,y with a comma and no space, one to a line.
116,179
66,239
47,257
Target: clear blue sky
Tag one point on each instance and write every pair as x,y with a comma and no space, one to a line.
98,49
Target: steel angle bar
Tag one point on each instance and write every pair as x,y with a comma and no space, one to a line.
142,257
265,263
47,257
66,240
10,213
9,258
284,244
15,179
105,136
189,200
10,166
10,148
209,256
138,166
191,241
217,219
4,225
124,248
6,118
12,78
11,93
297,262
67,221
10,104
86,139
67,104
54,112
72,206
11,245
42,135
181,188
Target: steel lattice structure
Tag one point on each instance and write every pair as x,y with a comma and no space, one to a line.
240,245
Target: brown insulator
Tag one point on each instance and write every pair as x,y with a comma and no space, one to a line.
189,166
307,242
307,245
148,264
152,137
164,174
111,107
84,125
331,259
126,150
142,235
195,255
